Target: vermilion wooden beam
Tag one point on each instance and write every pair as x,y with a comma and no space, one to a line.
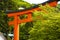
29,18
17,21
53,4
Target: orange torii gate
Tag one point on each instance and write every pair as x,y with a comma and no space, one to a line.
17,21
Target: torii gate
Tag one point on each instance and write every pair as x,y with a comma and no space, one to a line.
17,21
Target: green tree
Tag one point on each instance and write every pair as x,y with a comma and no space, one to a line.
6,5
46,25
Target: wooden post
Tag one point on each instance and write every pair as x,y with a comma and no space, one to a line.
16,28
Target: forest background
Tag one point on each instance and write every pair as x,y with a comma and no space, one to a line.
45,24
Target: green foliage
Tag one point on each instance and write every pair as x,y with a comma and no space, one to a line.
25,4
3,22
58,5
6,5
24,29
46,26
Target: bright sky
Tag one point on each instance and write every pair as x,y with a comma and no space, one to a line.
36,1
59,2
